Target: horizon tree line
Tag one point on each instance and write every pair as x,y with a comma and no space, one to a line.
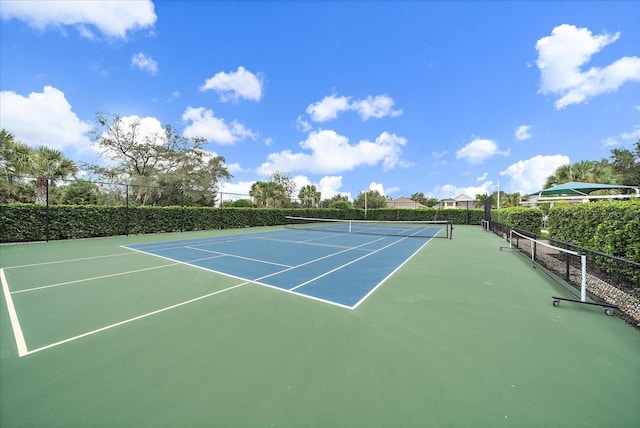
165,168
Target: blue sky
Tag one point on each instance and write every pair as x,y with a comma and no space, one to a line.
443,98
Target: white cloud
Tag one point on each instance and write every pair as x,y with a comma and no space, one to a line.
331,152
377,107
234,191
149,128
479,150
392,190
331,106
482,177
561,56
111,18
303,125
451,191
144,63
377,187
205,124
528,176
328,108
522,132
44,119
623,138
330,186
235,85
235,168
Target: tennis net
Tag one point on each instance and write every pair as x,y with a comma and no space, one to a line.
567,268
419,229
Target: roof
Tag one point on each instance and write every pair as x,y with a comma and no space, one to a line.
463,198
581,189
404,202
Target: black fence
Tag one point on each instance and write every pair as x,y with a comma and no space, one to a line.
609,279
47,191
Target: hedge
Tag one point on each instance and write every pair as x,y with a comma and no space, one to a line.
529,219
31,222
610,227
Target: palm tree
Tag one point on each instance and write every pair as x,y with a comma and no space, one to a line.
14,154
275,192
510,200
309,195
583,171
45,164
258,193
562,174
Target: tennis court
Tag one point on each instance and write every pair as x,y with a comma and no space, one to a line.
280,327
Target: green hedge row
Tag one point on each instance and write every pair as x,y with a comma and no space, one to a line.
529,219
610,227
29,222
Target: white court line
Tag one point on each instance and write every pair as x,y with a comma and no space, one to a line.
67,261
307,242
316,260
92,278
258,280
390,274
170,245
13,317
347,264
139,317
237,257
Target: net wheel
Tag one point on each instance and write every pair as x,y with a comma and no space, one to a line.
609,311
556,302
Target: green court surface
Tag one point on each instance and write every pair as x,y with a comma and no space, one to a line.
462,335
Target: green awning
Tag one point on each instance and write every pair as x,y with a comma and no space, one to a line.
581,189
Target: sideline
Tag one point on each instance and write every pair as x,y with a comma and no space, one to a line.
139,317
13,316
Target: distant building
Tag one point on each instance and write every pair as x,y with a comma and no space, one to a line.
460,201
403,202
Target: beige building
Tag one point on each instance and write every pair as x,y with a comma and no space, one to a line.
460,201
403,202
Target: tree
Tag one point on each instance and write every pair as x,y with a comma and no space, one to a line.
45,163
584,171
309,196
159,165
14,155
240,203
422,199
326,203
481,198
267,193
288,185
510,200
341,205
80,192
419,198
14,161
625,164
370,199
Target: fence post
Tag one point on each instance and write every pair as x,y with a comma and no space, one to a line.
126,209
47,218
182,210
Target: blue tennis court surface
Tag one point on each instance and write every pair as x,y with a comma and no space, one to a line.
337,268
